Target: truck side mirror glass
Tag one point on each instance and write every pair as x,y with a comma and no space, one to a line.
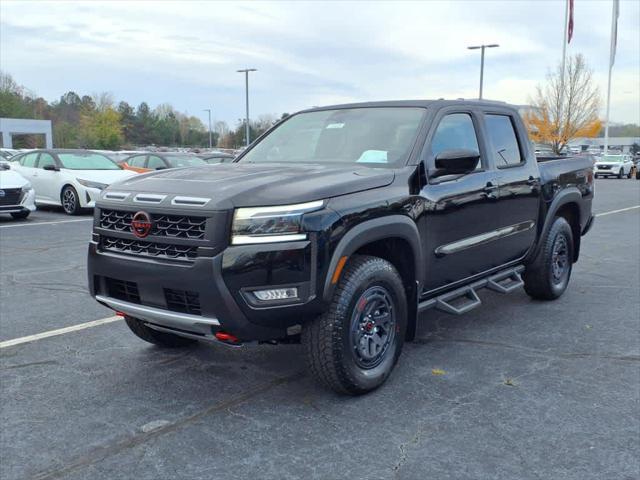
456,161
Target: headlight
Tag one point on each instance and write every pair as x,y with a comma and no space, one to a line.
90,184
270,224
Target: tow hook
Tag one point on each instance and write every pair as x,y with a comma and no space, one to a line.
228,339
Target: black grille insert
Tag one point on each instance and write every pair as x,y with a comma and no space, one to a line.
11,196
182,301
123,290
172,226
148,249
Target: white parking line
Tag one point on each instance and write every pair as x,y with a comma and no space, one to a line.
46,223
59,331
611,212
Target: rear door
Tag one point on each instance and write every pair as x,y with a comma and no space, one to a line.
460,211
519,182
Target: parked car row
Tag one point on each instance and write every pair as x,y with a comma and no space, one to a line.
73,179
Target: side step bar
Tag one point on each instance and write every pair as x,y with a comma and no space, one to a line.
464,299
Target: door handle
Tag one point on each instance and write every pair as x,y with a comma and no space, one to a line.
532,181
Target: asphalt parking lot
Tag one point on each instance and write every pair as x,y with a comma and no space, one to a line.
516,389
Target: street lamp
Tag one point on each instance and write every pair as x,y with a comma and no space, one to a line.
210,140
482,47
246,83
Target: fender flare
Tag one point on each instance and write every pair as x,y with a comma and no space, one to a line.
566,196
392,226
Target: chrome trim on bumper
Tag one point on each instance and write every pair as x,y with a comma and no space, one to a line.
181,321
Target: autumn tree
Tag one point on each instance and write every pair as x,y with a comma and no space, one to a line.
564,110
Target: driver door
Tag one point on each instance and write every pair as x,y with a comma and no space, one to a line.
460,211
48,181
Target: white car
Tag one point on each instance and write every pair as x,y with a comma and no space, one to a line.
613,166
16,193
72,179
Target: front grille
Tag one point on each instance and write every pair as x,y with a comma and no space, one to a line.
182,301
173,226
11,196
148,249
604,167
123,290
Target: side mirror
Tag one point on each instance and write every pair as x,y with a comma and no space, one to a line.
456,161
51,167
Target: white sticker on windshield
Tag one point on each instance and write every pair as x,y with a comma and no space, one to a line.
373,156
335,125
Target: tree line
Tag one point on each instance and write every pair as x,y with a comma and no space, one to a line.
98,122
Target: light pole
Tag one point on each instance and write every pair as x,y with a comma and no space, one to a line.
246,85
210,141
482,47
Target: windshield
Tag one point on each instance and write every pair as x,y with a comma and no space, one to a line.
612,158
87,161
377,137
184,161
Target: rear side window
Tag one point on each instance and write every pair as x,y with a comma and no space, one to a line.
503,140
137,162
29,160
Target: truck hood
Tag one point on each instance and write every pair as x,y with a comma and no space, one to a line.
232,185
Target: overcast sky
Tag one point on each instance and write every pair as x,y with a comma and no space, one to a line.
187,53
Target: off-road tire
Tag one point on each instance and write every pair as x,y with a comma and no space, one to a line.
162,339
70,207
20,215
539,280
331,353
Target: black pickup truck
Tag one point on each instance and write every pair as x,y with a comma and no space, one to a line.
337,228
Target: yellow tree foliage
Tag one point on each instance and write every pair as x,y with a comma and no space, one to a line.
565,110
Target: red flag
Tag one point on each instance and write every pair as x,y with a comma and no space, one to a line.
570,31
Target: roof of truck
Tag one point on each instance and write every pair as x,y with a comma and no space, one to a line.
441,102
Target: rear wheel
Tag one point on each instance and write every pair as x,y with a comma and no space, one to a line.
547,277
20,215
70,200
150,335
353,347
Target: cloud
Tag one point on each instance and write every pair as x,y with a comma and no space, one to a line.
308,53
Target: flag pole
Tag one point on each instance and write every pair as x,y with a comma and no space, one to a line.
612,52
564,61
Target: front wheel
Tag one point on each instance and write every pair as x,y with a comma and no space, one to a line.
621,173
353,347
70,200
547,277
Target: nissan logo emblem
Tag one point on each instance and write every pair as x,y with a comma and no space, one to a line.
141,224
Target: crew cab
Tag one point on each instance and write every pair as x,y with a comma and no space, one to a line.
337,228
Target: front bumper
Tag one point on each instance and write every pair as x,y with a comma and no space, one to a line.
221,283
27,204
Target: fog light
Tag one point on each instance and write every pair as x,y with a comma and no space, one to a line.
276,294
